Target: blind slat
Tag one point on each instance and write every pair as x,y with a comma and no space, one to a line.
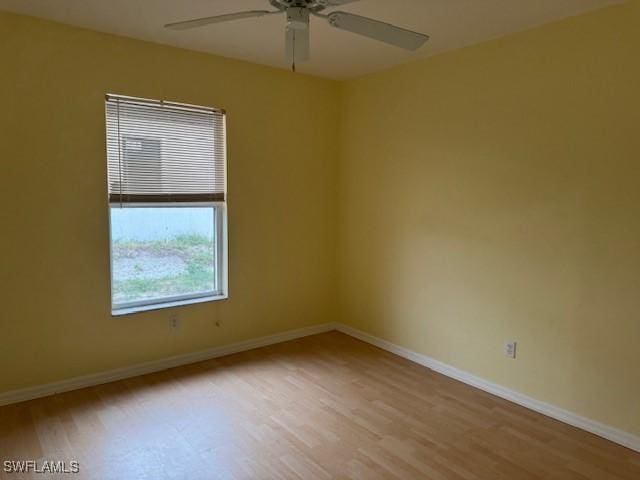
164,152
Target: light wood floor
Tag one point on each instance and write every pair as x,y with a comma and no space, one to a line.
321,407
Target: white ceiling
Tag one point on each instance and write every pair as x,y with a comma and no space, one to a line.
335,54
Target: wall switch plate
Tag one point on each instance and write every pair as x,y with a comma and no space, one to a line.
510,349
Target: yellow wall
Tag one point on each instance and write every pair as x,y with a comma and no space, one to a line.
55,318
487,194
494,193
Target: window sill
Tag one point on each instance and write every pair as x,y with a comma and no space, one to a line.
118,312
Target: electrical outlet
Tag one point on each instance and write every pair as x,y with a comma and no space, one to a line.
174,321
510,349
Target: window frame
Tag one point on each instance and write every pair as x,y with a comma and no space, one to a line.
220,266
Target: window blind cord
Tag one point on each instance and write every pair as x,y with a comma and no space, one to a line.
119,153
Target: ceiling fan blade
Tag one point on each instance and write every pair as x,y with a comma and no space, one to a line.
201,22
297,45
383,32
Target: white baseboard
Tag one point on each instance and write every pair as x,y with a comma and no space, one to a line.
613,434
84,381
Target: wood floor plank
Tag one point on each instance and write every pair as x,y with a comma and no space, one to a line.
323,407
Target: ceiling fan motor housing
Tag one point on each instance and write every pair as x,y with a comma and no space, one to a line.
315,6
297,18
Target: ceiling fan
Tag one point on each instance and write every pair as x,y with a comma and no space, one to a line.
297,26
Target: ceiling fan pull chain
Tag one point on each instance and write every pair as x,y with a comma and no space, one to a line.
293,62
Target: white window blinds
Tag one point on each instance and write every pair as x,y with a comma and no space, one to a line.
164,152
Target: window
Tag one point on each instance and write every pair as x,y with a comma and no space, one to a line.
167,201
